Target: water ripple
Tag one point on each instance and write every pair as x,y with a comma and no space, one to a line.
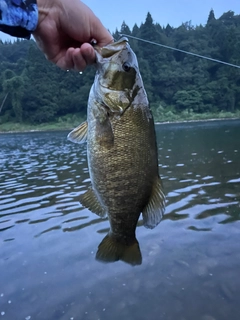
41,180
48,240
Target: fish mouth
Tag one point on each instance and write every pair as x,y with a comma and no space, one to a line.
104,57
111,49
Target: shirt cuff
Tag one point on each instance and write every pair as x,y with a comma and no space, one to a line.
18,18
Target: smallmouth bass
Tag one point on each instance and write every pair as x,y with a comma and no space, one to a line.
122,153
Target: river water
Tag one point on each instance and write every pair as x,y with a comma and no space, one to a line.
191,260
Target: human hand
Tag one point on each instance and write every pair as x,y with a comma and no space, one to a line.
65,30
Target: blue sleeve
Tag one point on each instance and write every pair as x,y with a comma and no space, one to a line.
18,18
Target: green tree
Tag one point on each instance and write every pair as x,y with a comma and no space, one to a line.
211,17
13,87
36,91
188,100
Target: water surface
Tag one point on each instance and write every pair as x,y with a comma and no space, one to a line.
48,241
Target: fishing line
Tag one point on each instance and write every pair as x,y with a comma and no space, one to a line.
175,49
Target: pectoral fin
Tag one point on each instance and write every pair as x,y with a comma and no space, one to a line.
90,201
79,134
154,210
104,134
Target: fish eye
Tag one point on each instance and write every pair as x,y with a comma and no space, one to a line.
126,67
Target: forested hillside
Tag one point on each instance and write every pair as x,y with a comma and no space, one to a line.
32,90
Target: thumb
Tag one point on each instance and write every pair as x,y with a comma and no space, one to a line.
100,33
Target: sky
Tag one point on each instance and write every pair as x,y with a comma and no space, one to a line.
174,12
113,13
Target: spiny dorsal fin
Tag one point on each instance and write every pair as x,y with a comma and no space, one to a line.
90,201
79,134
154,210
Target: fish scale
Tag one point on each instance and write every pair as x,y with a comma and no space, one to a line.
126,163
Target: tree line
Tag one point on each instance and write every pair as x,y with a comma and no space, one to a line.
33,90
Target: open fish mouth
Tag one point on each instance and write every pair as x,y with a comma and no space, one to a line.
111,49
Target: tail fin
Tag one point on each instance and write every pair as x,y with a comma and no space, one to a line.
111,250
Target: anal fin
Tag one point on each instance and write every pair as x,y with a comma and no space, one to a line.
79,134
90,201
154,210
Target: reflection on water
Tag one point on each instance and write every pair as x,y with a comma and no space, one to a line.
48,241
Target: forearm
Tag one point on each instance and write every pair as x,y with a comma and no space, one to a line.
18,18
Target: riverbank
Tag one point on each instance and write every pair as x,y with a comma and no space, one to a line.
66,122
200,120
163,116
13,127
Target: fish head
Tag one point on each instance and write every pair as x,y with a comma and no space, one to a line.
117,78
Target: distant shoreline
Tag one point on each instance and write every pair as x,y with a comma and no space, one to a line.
200,120
44,129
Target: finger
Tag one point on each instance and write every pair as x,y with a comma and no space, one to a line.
100,33
75,58
72,59
64,60
105,40
88,53
79,62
